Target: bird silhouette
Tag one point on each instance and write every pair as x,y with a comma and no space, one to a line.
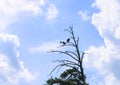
64,43
68,40
61,42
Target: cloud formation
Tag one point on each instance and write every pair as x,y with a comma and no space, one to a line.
84,15
11,10
52,12
45,47
12,70
105,59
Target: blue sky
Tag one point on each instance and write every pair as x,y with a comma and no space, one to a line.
30,28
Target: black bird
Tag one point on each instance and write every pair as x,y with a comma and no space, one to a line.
61,42
68,40
64,43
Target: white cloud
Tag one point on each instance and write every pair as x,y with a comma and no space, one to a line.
12,69
111,80
106,58
11,10
45,47
52,12
84,15
42,2
25,73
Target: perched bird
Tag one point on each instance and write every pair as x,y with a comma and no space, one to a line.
64,43
61,42
68,40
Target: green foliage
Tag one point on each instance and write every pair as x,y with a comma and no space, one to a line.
60,81
66,78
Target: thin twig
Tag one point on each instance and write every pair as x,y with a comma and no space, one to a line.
66,53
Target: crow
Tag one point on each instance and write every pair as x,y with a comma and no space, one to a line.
68,40
61,42
64,43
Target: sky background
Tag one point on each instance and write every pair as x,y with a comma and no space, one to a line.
30,28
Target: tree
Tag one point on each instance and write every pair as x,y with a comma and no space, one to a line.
75,74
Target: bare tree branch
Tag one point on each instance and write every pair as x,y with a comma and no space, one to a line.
72,53
67,61
66,53
76,55
62,65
